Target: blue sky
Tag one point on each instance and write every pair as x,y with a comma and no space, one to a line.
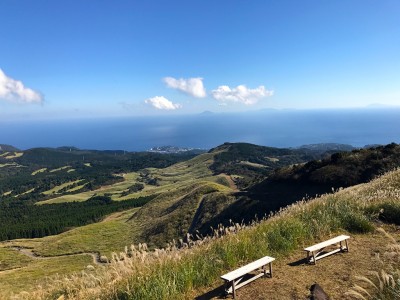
62,59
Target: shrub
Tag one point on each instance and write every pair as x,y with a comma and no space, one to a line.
284,235
388,212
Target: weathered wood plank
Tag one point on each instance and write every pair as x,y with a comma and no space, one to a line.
326,254
326,243
320,247
233,279
247,268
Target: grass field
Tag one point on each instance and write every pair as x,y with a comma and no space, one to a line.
36,271
39,171
59,169
56,189
104,237
26,192
182,173
13,155
10,259
13,164
62,254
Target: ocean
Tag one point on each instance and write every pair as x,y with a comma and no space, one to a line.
276,128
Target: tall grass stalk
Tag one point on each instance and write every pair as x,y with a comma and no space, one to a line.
385,284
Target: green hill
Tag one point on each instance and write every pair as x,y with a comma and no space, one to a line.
157,201
249,163
289,184
186,273
8,148
205,191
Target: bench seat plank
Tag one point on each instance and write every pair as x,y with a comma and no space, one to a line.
314,252
233,280
247,268
327,243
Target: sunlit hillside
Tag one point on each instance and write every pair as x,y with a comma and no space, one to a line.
183,273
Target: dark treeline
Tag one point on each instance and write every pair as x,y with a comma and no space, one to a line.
19,220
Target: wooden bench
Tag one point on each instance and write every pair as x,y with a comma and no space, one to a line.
314,252
233,279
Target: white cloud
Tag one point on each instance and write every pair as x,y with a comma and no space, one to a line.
160,102
240,94
191,86
14,91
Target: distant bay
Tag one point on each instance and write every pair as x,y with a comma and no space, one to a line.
277,128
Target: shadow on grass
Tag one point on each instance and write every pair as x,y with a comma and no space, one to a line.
219,292
216,293
299,262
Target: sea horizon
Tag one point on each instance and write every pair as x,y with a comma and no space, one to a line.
275,128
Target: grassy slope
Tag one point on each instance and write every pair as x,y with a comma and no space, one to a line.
182,189
113,234
17,280
336,274
56,189
61,254
9,259
182,274
187,192
184,182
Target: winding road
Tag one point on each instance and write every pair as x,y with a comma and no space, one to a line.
29,252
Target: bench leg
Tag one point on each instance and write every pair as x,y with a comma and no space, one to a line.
233,289
270,269
347,246
226,287
311,257
264,270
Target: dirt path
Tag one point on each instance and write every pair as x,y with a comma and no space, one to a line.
232,184
29,252
292,277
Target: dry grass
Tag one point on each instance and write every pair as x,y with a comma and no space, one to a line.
59,169
14,155
384,283
39,171
56,189
293,277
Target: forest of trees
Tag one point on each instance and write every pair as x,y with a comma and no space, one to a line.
93,168
19,220
27,175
